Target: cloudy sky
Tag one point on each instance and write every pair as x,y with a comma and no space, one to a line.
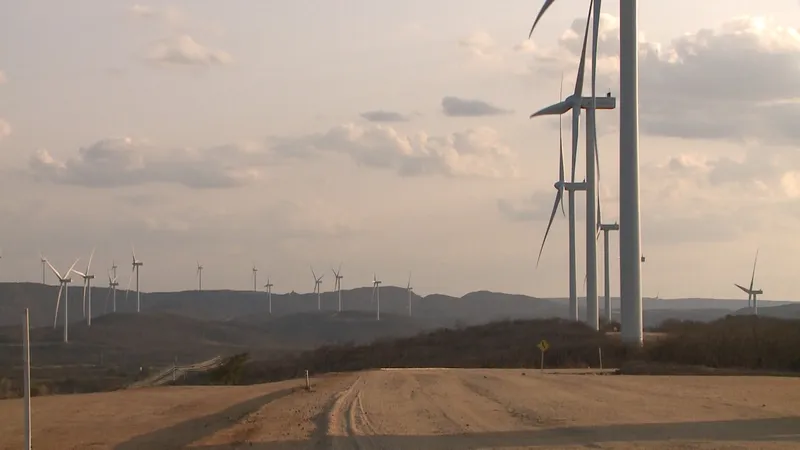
390,136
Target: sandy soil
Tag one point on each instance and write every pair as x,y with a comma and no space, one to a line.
427,409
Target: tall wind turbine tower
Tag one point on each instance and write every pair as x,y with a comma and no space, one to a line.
135,264
255,278
268,288
376,294
408,290
63,281
87,286
317,282
752,294
337,285
199,276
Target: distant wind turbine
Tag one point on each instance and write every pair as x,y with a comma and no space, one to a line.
135,264
199,276
268,288
752,294
317,282
408,290
255,278
63,281
112,289
44,264
337,285
376,294
87,286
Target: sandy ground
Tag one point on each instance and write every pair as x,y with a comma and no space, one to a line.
427,409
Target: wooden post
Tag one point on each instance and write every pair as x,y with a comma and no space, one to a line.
541,364
308,382
600,354
26,356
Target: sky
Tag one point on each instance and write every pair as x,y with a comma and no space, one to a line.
389,137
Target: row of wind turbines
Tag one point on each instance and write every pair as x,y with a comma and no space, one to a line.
87,277
631,256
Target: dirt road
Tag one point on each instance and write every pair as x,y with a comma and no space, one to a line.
429,409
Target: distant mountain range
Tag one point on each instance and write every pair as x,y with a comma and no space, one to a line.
441,310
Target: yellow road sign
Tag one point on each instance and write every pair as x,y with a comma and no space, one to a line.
543,345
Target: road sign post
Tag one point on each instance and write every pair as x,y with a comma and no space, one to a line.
543,347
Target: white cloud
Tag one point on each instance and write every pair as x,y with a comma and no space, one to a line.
473,152
126,162
184,50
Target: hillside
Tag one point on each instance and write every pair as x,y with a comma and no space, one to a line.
225,305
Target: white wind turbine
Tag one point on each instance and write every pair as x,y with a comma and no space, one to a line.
199,276
575,103
631,256
317,282
408,290
376,294
752,294
112,288
135,264
268,288
255,278
63,281
44,264
337,284
87,286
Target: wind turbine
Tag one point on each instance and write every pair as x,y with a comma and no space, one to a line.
112,288
199,276
408,290
575,103
44,264
561,185
135,264
255,278
376,293
752,295
630,217
337,284
317,282
268,287
87,286
63,281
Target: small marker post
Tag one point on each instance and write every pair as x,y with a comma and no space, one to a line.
543,347
308,382
26,348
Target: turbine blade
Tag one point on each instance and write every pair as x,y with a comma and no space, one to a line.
85,285
130,279
547,4
53,268
552,110
561,169
595,34
747,291
66,275
133,253
88,266
753,277
58,302
549,224
313,274
582,62
576,117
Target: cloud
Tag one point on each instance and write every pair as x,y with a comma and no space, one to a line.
142,11
184,50
480,45
119,162
384,116
459,107
3,78
473,152
537,207
5,129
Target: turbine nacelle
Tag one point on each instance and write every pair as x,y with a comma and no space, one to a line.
609,227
